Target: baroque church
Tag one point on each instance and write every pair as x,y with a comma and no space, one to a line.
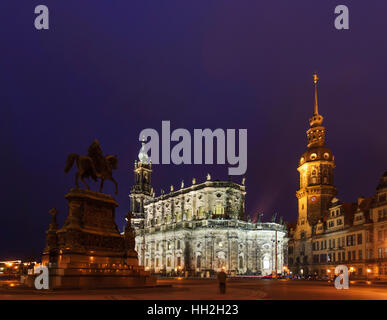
202,228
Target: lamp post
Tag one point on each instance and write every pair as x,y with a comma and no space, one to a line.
368,272
329,274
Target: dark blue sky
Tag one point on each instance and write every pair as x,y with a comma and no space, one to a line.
108,69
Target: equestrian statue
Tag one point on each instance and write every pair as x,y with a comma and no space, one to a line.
95,166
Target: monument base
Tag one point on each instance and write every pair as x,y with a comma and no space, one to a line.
88,252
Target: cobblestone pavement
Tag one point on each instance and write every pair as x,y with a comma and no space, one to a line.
206,290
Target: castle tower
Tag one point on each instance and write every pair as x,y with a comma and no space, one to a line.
142,189
316,175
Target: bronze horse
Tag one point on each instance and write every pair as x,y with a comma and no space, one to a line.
87,169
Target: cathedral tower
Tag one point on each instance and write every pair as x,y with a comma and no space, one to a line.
142,190
316,175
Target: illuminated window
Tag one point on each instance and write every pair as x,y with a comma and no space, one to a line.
313,156
266,262
219,209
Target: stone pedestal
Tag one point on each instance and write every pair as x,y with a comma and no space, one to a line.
88,251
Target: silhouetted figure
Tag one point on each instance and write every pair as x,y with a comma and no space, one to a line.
222,278
95,166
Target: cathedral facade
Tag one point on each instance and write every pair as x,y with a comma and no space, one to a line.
201,229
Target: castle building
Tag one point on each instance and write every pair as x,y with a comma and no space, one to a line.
201,228
327,232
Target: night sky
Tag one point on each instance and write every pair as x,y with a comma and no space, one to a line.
108,69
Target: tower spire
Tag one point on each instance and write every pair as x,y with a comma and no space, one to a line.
315,79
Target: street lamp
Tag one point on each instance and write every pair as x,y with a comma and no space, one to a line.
368,272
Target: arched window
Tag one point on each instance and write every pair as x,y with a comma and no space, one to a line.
219,209
201,212
266,262
240,262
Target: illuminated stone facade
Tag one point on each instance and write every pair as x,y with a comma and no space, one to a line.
327,232
201,229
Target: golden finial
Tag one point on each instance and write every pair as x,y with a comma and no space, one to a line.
315,79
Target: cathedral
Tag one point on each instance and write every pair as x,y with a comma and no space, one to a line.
202,228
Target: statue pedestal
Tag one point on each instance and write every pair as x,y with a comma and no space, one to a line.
88,251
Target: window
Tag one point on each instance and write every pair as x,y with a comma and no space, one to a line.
178,261
351,240
157,262
339,222
266,262
349,255
219,209
360,254
201,212
380,253
333,243
359,238
178,244
240,262
198,261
